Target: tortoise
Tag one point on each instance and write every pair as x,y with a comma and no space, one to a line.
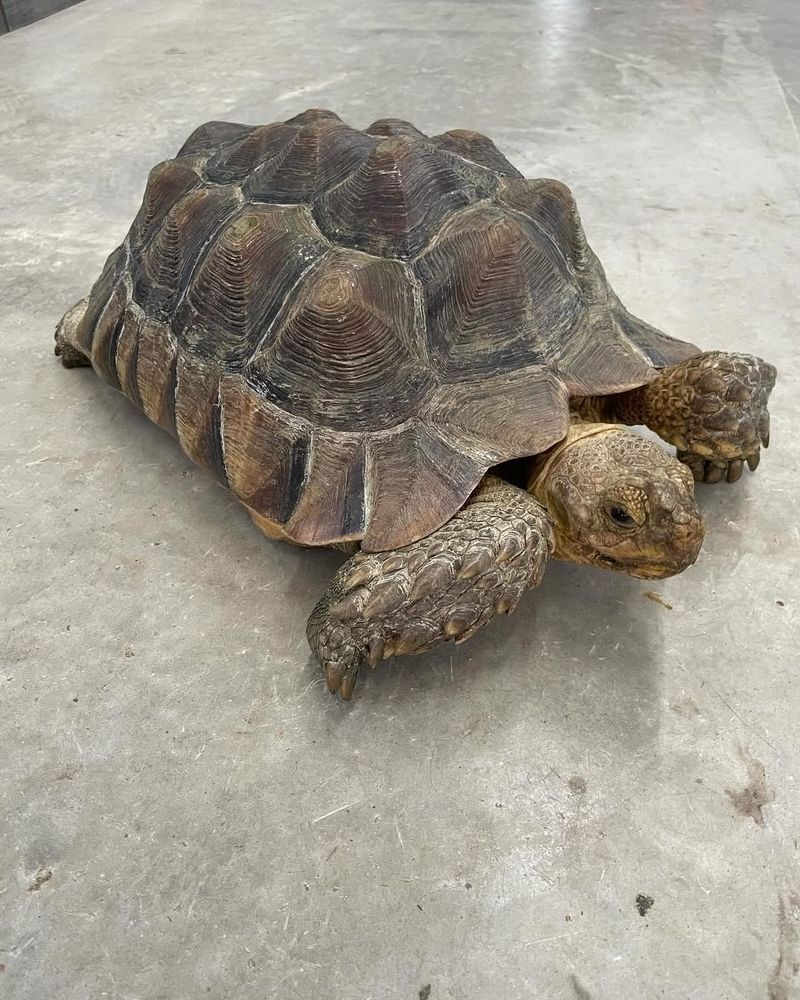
398,345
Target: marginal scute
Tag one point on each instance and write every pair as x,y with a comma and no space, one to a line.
245,279
417,482
106,334
348,353
127,356
198,413
396,200
161,273
319,155
659,348
266,453
331,506
496,295
500,417
599,358
102,289
156,373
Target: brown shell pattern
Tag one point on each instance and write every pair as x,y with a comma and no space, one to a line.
348,328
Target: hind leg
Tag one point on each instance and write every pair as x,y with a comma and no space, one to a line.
71,356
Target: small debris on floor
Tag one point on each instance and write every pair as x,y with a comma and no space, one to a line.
425,992
39,879
750,800
658,599
643,903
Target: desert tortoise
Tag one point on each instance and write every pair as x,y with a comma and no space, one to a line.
354,330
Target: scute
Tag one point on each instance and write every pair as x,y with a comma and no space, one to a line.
348,328
245,279
212,136
235,161
160,274
347,354
476,148
394,126
417,481
497,297
394,202
168,183
317,156
265,454
501,417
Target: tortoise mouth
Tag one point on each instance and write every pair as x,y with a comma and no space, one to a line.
653,570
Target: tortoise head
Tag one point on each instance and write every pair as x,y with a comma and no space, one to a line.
619,501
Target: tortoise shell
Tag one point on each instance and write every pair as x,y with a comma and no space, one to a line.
348,328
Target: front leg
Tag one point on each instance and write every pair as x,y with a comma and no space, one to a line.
445,586
713,408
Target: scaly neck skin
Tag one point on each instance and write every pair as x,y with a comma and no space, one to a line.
621,408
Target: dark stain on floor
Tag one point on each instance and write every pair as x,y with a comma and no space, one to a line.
780,986
750,801
643,903
577,784
425,992
580,990
685,707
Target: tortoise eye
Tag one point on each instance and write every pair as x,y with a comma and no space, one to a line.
620,516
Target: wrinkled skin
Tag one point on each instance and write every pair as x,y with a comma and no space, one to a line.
620,502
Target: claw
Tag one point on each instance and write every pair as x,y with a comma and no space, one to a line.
375,652
715,473
334,676
753,459
735,470
347,685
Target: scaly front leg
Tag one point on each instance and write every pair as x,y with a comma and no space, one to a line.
713,408
445,586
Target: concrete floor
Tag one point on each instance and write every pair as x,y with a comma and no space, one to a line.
186,813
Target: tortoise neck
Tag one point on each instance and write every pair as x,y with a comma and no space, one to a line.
621,407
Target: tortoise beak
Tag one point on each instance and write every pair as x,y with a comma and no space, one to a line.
686,542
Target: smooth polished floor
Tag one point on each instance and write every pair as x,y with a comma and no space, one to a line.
595,798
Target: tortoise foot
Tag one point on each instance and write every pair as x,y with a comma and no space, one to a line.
713,408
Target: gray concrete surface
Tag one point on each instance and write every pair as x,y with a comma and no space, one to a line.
479,822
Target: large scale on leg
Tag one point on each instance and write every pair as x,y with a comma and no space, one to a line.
349,329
